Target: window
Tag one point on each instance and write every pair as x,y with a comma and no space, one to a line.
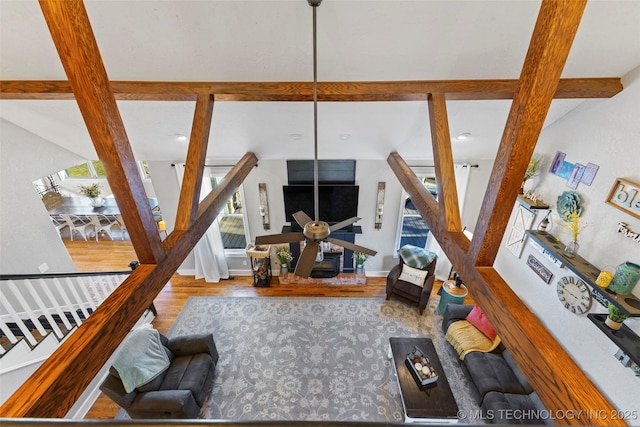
413,229
231,220
95,169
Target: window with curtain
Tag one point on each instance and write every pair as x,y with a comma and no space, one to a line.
232,219
413,229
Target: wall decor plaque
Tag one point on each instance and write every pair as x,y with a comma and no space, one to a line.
539,269
625,195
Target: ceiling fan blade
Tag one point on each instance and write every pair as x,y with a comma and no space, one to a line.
307,259
301,218
352,246
342,224
279,238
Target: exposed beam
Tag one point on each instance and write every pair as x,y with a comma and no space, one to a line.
554,375
78,51
551,41
194,167
605,87
443,161
53,389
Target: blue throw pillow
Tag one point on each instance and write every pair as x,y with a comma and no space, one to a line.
416,257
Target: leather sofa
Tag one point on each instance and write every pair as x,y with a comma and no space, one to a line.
179,391
408,292
500,387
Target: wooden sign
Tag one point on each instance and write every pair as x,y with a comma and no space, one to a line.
539,268
625,195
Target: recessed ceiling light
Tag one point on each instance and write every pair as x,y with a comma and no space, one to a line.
295,136
463,136
345,136
180,137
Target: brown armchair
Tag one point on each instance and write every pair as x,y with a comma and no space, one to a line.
178,392
409,292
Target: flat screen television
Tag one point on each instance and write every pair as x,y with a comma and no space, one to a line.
336,202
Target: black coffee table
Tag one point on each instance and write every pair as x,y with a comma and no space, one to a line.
432,403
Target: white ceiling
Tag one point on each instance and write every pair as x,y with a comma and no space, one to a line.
262,40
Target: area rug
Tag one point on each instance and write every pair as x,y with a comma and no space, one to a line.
312,359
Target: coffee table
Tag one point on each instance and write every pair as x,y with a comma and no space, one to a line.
433,403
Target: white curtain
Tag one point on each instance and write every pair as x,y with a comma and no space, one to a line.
210,260
443,267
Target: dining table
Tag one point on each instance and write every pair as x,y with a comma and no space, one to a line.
80,206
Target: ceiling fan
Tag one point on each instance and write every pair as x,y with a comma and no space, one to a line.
314,231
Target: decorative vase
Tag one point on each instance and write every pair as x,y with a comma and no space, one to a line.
96,202
612,325
359,268
284,268
571,250
626,277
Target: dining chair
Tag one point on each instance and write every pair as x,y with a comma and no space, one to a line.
103,224
78,224
59,223
123,226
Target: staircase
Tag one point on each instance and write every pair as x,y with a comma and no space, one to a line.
38,312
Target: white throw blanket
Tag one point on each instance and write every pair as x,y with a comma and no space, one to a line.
141,358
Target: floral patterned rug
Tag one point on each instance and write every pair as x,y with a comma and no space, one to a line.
312,358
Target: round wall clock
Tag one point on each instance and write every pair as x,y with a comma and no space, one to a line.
574,294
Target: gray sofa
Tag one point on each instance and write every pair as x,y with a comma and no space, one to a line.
501,389
178,392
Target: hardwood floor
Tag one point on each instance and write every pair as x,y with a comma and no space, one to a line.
116,255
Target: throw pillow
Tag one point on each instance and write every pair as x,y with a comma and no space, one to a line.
477,318
416,257
413,275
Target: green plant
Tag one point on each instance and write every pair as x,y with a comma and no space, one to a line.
361,257
534,166
92,190
615,314
284,254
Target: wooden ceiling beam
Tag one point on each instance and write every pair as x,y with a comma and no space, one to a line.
443,161
551,41
194,165
303,91
73,37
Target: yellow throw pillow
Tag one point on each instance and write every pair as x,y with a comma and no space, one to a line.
412,275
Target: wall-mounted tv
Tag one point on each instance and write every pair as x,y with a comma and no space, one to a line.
336,202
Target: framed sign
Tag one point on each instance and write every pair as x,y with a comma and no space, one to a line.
522,222
625,195
539,269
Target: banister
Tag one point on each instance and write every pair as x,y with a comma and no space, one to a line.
60,275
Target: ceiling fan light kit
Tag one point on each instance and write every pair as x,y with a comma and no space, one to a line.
314,231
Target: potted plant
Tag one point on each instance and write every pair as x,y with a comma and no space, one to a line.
360,257
615,318
284,256
532,170
93,192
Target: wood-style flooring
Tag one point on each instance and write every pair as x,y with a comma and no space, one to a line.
116,255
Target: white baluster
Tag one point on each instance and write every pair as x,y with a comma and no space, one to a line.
43,308
76,295
27,310
67,301
17,320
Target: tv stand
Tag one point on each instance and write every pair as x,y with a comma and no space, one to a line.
342,234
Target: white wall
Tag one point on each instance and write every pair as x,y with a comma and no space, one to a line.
274,174
604,132
26,232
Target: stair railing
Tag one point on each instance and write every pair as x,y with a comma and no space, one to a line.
32,306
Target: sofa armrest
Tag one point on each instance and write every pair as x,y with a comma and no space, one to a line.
193,344
453,313
114,389
164,404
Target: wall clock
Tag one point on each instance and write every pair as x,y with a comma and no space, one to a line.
574,294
